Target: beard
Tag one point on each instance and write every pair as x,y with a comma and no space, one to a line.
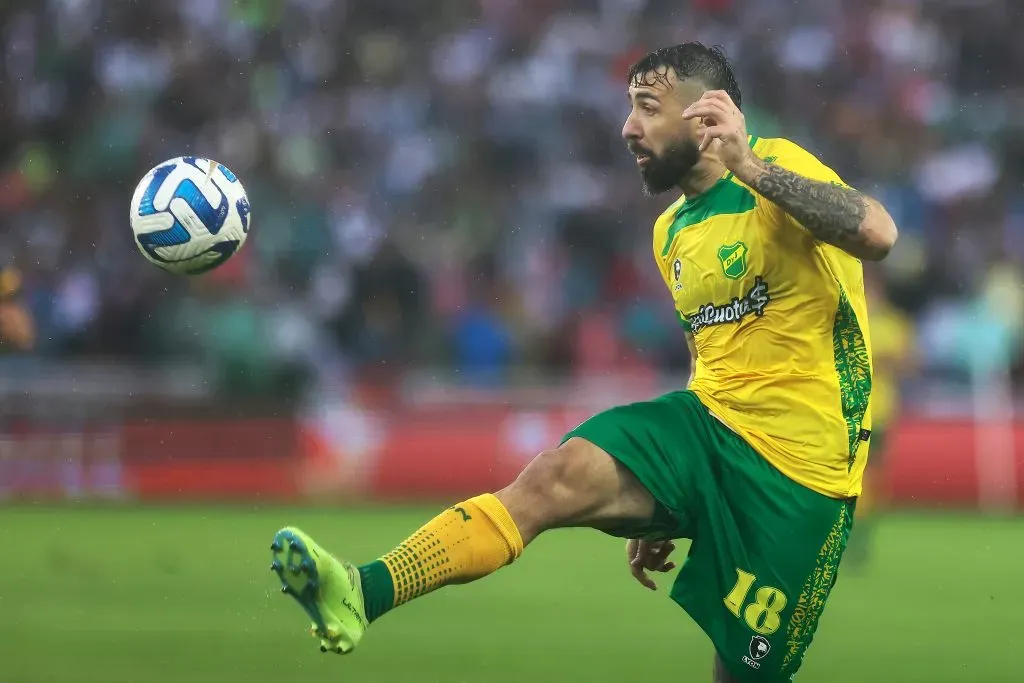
662,173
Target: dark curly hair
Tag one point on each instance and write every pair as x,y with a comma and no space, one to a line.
694,61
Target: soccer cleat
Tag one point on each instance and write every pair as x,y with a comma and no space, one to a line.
328,589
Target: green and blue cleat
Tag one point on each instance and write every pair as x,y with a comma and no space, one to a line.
328,589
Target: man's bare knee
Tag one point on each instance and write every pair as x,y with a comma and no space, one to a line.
576,484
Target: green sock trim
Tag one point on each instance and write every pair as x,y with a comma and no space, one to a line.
378,589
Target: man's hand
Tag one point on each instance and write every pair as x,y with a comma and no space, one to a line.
726,128
644,556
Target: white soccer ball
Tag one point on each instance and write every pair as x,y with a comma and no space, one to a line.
190,215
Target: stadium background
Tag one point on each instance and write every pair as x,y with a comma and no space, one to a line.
449,266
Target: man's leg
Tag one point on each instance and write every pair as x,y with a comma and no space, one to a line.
575,485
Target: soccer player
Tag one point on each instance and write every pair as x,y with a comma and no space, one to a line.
759,460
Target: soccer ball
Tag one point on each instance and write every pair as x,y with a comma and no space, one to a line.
190,215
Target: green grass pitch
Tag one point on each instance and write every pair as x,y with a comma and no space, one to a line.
155,595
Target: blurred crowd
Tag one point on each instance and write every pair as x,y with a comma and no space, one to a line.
443,184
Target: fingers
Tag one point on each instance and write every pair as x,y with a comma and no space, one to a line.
702,109
632,549
644,556
659,560
719,95
712,103
723,127
640,575
711,134
637,551
658,554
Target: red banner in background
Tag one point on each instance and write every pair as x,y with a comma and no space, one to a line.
224,459
429,454
39,465
426,453
948,462
451,454
154,460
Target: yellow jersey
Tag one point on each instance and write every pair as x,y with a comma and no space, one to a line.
779,320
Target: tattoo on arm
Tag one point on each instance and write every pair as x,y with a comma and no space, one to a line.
830,212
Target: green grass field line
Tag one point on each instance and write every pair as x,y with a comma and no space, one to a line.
125,594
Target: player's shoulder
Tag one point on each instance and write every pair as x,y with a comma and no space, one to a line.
663,222
794,157
775,149
669,214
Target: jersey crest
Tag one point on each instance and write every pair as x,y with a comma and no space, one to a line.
734,259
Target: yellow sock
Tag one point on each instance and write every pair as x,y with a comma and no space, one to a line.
465,542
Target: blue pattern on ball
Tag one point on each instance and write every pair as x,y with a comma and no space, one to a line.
213,218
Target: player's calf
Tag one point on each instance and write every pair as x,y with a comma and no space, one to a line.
576,484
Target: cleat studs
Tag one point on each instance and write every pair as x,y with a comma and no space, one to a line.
323,648
293,545
275,547
284,589
275,566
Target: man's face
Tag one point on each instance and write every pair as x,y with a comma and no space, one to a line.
666,145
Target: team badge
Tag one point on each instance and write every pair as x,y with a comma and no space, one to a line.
734,260
759,649
677,273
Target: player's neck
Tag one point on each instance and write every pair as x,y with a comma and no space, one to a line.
702,177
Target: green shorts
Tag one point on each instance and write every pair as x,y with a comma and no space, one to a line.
765,550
